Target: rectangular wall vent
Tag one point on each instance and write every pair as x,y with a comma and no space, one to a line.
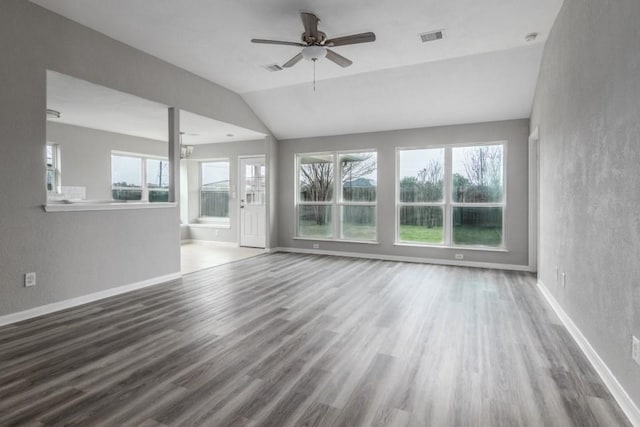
272,67
432,36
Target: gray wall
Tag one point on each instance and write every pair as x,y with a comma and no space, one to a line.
515,132
229,151
588,108
272,192
85,155
76,253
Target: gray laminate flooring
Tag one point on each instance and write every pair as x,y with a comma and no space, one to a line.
301,340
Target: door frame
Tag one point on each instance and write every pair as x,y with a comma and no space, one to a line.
241,193
534,199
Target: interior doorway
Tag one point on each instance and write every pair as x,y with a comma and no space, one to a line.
252,188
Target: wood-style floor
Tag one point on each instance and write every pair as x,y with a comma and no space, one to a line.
297,340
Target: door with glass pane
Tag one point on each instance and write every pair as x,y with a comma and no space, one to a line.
252,202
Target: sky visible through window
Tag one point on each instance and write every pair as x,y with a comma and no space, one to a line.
157,173
126,170
413,161
215,174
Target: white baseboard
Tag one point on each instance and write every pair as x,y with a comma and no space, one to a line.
73,302
385,257
211,243
615,388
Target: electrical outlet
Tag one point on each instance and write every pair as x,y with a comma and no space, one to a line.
217,233
30,279
459,256
635,349
316,246
564,280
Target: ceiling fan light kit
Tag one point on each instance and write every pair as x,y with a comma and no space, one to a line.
313,53
314,44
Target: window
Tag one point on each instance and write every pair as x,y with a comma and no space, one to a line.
358,201
451,195
421,196
214,190
351,198
157,182
141,178
477,195
53,168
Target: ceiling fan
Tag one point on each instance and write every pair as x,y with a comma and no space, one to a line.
315,43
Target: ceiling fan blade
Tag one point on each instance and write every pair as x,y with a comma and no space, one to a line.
338,59
293,61
276,42
310,22
352,39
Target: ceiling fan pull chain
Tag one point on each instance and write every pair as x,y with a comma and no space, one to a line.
314,74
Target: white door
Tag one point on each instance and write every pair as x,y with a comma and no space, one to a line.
253,219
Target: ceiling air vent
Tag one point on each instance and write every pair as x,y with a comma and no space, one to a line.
432,36
272,67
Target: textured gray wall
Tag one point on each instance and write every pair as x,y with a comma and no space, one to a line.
85,155
76,253
515,132
588,108
229,151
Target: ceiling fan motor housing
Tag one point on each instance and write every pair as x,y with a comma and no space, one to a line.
311,40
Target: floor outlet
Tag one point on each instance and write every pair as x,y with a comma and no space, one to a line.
316,246
635,349
30,279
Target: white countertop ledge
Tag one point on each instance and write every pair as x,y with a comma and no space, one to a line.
105,206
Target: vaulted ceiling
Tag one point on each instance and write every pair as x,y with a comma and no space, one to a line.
482,70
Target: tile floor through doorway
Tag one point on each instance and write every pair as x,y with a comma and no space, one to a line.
196,256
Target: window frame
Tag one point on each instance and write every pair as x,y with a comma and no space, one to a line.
447,203
442,204
337,202
213,219
144,188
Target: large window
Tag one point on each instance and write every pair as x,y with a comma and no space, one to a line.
142,178
214,190
339,185
421,196
451,196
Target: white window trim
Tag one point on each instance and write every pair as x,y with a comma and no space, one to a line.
143,171
447,204
337,203
214,221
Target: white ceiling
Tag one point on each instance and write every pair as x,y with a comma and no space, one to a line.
211,39
89,105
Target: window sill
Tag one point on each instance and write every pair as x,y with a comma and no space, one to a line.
87,205
215,222
460,248
209,225
320,239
